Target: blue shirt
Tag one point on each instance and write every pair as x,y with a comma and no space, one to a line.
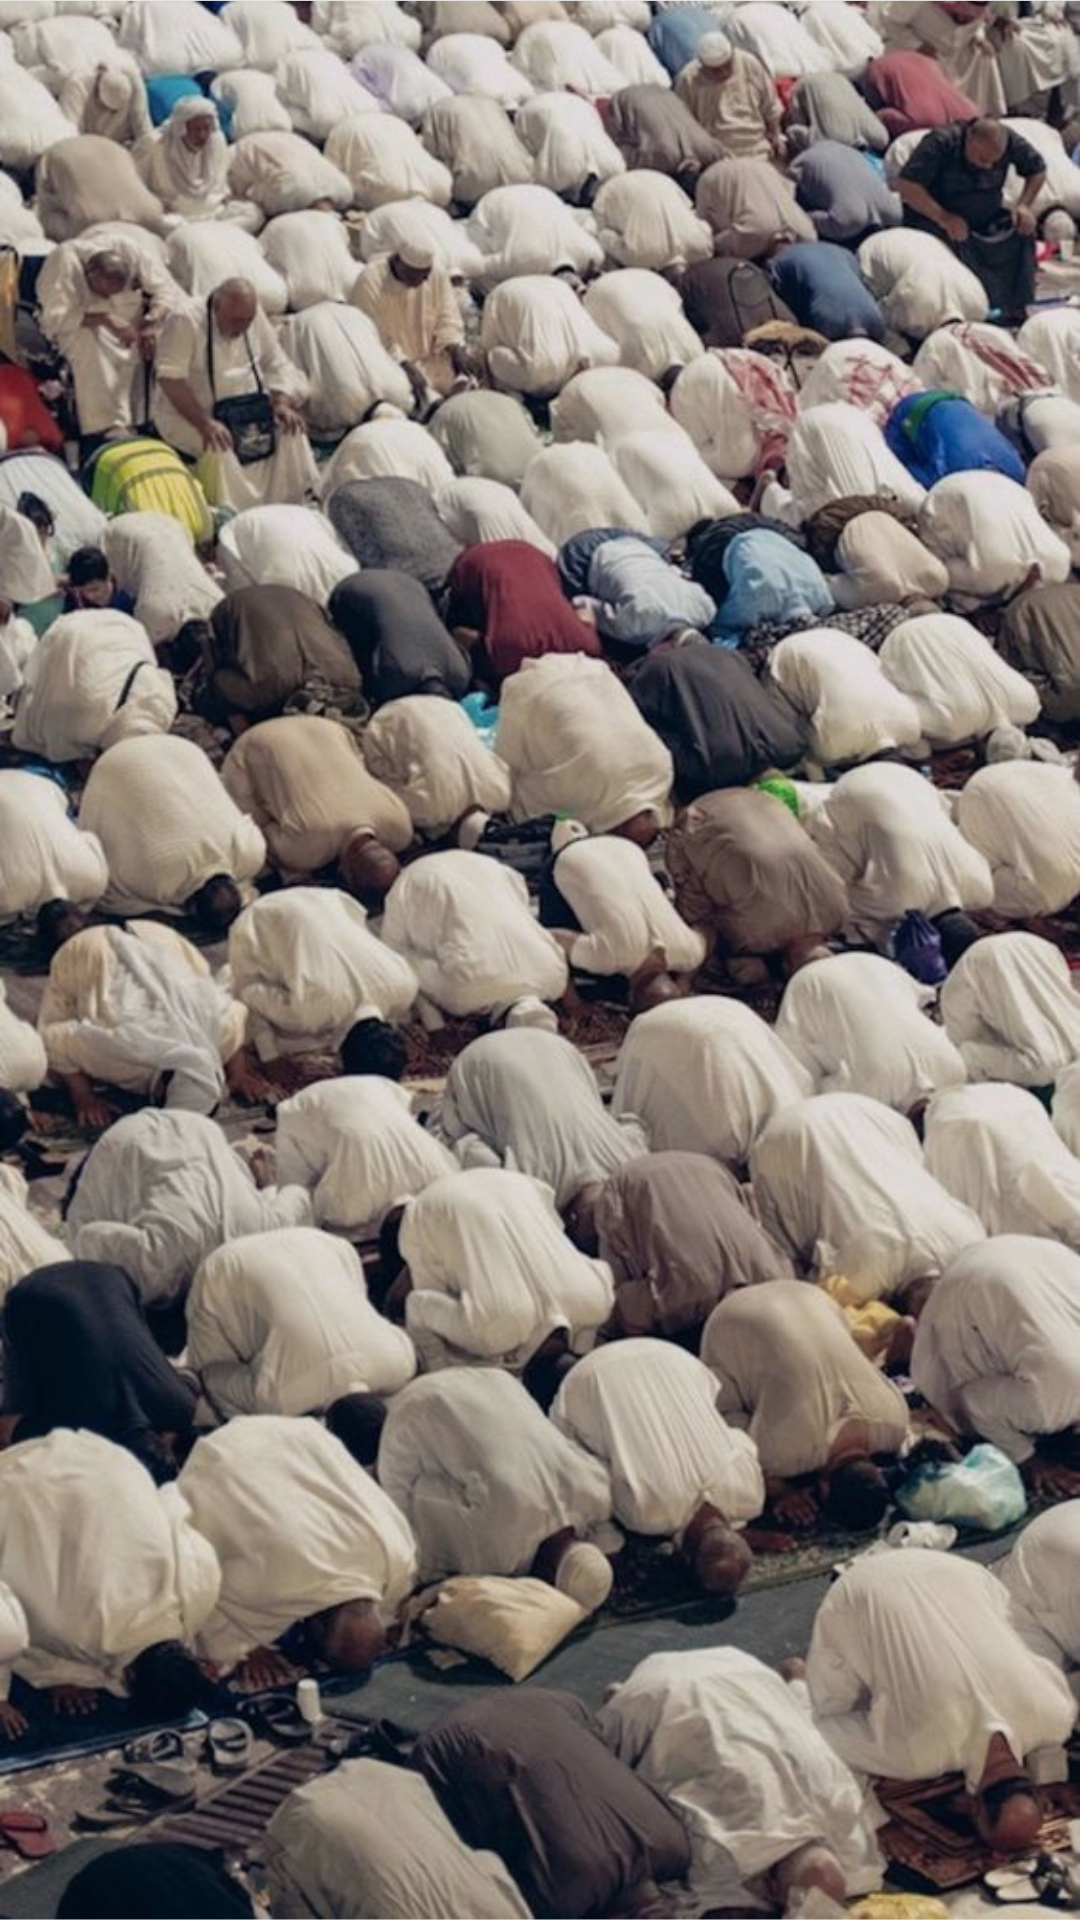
675,32
769,579
638,598
822,285
948,436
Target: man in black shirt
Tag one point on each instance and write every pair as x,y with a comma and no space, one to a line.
952,187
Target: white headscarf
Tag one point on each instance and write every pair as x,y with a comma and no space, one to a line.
201,173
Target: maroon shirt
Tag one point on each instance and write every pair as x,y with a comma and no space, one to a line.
510,592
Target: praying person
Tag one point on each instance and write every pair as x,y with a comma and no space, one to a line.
651,1414
303,1537
267,644
464,924
303,780
185,162
491,1486
44,855
1008,1005
996,1149
1024,818
626,923
818,1410
575,743
354,1144
732,96
409,296
306,965
860,1024
1039,1576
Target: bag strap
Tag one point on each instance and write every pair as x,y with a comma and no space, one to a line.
210,351
125,691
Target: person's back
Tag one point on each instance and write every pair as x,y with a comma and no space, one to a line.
996,1149
166,823
745,867
269,642
1010,1007
43,854
1040,1577
705,1075
356,1147
303,779
721,724
891,837
398,641
860,1024
574,741
821,283
1024,817
307,966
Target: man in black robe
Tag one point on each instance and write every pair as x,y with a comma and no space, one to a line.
952,187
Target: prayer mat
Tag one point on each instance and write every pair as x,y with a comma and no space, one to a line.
65,1736
929,1832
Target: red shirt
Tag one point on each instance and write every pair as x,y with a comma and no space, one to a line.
23,414
510,592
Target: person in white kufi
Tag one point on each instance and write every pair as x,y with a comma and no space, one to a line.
997,1348
529,1102
474,137
989,533
560,53
961,687
575,743
168,828
705,1075
1010,1007
311,251
491,1275
113,1579
92,680
650,1412
307,966
491,1486
384,160
573,485
891,837
138,1007
567,140
106,96
770,1809
527,231
304,1537
626,919
918,282
464,924
281,1323
644,219
372,1839
840,1180
860,1024
855,711
159,1191
429,753
915,1669
356,1147
43,854
1024,818
1040,1576
995,1148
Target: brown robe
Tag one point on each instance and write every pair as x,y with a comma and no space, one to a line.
747,872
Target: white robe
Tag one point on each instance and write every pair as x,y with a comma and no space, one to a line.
91,680
778,38
705,1075
384,448
166,823
1024,818
105,1563
318,92
839,1180
283,173
961,688
371,1839
348,370
1040,1578
311,252
307,966
182,38
572,486
481,1474
536,333
159,1191
989,533
671,483
566,138
429,753
110,379
625,915
281,1323
527,232
284,547
559,53
472,64
346,26
297,1526
384,160
24,1242
1010,1007
130,1004
493,1273
464,924
997,1347
267,30
646,220
837,450
918,282
529,1101
203,253
649,1411
859,1024
914,1666
735,1750
840,687
23,1064
475,138
790,1373
250,100
43,854
604,403
890,836
152,556
476,511
357,1149
729,430
575,743
995,1148
416,222
1052,336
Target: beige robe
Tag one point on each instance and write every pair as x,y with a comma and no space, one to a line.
302,778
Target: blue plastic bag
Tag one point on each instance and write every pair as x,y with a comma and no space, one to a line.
984,1490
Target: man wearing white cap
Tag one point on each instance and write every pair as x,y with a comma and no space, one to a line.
490,1486
108,99
409,297
731,94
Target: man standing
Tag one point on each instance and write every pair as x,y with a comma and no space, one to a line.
952,186
211,356
732,96
103,307
410,298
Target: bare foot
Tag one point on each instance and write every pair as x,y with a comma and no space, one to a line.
74,1700
1050,1479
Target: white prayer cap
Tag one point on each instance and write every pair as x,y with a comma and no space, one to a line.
114,88
584,1575
714,50
566,831
417,254
14,1631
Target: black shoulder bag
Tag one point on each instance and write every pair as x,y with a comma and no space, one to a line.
248,416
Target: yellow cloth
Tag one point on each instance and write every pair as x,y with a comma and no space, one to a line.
899,1906
870,1322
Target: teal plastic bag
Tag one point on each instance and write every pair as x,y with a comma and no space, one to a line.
984,1490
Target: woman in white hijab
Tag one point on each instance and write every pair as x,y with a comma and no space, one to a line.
186,163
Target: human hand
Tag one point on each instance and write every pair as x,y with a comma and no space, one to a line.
94,1113
127,336
216,437
797,1507
1024,219
12,1722
956,228
287,417
79,1701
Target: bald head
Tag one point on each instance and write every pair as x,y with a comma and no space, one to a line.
106,272
349,1637
235,304
985,142
722,1559
654,990
367,868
